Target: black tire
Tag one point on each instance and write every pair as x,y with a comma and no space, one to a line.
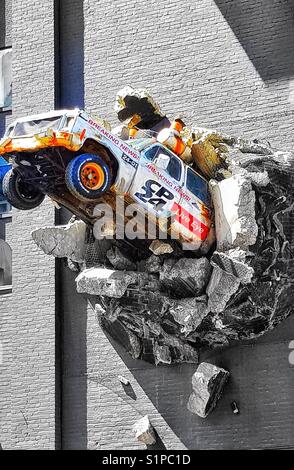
75,177
19,194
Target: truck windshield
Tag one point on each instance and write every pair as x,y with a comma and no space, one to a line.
34,127
198,186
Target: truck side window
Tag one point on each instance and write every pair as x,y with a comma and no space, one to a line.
152,152
174,168
198,186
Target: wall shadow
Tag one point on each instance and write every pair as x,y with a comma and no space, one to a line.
73,373
260,383
71,314
71,54
265,29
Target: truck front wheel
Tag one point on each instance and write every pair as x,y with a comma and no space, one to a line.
88,177
19,193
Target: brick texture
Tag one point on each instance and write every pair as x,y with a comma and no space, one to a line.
223,63
219,66
5,41
28,314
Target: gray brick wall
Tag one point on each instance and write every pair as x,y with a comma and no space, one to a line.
221,67
220,63
5,41
192,61
28,314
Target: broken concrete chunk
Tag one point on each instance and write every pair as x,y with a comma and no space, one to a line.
207,384
151,265
220,289
119,260
186,277
160,248
189,312
138,106
234,204
100,281
64,241
144,431
123,380
161,354
229,271
233,262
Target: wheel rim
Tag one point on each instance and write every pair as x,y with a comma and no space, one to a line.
26,190
92,176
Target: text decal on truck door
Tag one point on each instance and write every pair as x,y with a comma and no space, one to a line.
155,194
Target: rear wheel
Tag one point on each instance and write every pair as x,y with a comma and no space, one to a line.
88,177
20,194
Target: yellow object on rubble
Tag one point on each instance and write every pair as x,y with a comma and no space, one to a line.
208,151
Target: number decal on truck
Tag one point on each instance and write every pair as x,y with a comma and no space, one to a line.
155,194
129,160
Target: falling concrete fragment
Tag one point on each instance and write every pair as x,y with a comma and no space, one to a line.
186,277
234,205
207,384
64,241
119,261
123,380
160,248
144,431
100,281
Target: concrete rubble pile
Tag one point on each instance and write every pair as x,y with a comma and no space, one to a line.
166,306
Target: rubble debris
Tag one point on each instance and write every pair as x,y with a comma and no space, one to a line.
123,380
164,306
229,271
209,152
162,354
249,290
220,289
189,312
153,264
235,408
144,431
186,277
136,107
233,262
63,241
160,248
207,383
234,205
119,260
101,281
142,314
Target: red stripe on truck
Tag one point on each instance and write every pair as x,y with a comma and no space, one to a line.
190,222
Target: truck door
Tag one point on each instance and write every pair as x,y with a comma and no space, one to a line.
158,180
195,208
